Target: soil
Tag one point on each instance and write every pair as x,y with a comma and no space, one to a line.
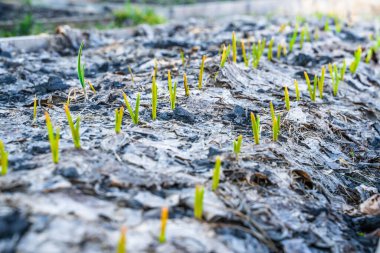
299,194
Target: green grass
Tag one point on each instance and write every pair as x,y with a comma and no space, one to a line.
131,73
312,90
225,55
337,75
135,16
357,57
80,70
134,114
286,95
255,123
293,38
275,123
3,159
321,82
369,55
186,85
201,69
182,55
34,109
257,52
298,94
172,91
245,58
164,220
73,127
234,48
216,174
118,119
302,37
198,201
270,50
53,138
237,145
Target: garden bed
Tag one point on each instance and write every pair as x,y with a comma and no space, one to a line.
302,193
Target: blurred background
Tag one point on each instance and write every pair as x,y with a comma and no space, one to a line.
30,17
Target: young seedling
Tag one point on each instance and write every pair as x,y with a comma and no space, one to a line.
355,64
201,72
198,201
225,54
172,91
164,220
298,95
312,91
337,76
338,27
286,94
216,174
307,33
234,49
122,244
244,53
270,50
321,82
134,114
369,55
73,127
293,38
118,119
275,123
3,159
131,73
53,138
279,50
302,37
182,55
91,87
80,70
35,109
327,26
187,89
255,122
257,52
237,145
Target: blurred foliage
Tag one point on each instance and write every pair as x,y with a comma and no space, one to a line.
132,15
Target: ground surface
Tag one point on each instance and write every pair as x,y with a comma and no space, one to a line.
295,195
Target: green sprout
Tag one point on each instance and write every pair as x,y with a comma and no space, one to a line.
198,201
338,27
80,70
321,82
234,50
307,33
293,38
369,55
225,54
298,95
91,87
185,84
131,73
122,243
164,220
255,122
134,114
312,91
355,64
53,138
275,122
279,50
172,91
244,53
270,49
3,159
118,119
257,52
35,109
237,145
216,174
154,99
286,94
182,55
337,75
73,127
302,37
201,72
327,27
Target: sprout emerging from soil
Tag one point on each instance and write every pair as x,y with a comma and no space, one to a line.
244,53
201,72
216,174
3,159
302,37
338,27
270,49
234,50
327,26
80,70
172,91
355,64
122,244
131,73
134,114
237,145
281,48
34,109
255,122
312,91
185,84
298,95
198,201
257,52
275,122
182,55
337,75
164,220
321,82
154,93
118,119
53,138
91,87
293,38
73,127
369,55
286,95
225,54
